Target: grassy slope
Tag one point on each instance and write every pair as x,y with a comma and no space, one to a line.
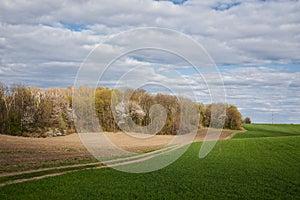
269,130
261,168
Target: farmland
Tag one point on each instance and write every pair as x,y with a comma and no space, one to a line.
261,163
24,153
269,130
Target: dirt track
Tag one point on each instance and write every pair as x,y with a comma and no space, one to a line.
19,153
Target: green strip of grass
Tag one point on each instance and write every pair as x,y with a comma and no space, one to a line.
258,168
269,130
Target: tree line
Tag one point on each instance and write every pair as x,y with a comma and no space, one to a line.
30,111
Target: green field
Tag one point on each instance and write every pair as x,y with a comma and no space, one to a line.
257,164
269,130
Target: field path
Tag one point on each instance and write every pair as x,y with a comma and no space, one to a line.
77,167
40,148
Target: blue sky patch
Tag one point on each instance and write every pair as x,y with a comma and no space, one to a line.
176,2
74,27
225,6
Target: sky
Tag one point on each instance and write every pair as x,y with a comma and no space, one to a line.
255,45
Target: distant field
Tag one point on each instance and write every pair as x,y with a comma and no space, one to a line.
259,167
269,130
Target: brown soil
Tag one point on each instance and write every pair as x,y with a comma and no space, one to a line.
19,153
135,144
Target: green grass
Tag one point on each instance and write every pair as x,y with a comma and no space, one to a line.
269,130
258,168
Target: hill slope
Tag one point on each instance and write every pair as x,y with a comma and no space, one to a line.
269,130
256,168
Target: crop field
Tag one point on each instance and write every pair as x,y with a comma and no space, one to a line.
269,130
24,153
261,163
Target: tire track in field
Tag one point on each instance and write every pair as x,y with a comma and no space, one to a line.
98,165
95,165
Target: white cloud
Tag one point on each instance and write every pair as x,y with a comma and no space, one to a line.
243,33
44,42
258,91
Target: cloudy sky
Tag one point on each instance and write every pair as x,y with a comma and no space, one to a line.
254,43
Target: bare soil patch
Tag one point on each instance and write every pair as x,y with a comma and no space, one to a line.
20,153
135,144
